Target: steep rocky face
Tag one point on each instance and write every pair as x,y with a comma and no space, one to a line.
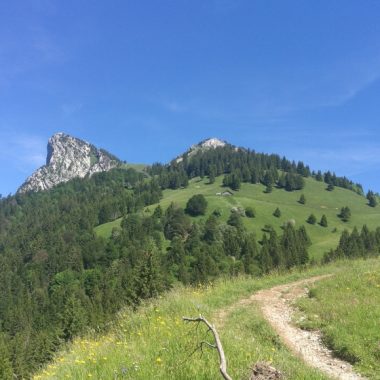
211,143
67,158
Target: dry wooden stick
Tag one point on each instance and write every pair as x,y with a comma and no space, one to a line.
218,344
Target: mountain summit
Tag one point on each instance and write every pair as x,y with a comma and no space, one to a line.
68,157
210,143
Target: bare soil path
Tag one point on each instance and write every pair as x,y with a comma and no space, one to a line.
276,306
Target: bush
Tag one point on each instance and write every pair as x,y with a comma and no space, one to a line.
196,205
250,212
312,219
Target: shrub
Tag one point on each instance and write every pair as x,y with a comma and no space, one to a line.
196,205
250,212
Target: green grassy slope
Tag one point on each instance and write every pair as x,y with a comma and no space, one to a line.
318,201
346,308
153,342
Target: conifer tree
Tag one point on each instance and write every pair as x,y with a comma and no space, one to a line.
319,176
302,199
275,252
249,254
265,259
212,174
345,214
277,213
372,201
323,221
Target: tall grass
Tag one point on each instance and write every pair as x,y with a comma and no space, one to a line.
154,343
346,308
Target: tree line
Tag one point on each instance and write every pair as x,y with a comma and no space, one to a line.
241,165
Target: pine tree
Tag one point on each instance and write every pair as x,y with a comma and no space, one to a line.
249,254
302,199
345,214
319,176
147,280
277,213
275,252
211,232
372,201
212,174
330,187
323,221
269,188
157,213
265,259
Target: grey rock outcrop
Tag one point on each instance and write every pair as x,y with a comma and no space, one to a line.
68,157
210,143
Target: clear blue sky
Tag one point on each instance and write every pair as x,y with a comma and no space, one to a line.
146,79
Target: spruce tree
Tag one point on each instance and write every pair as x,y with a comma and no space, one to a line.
319,176
323,221
265,259
302,199
345,214
269,188
372,201
277,213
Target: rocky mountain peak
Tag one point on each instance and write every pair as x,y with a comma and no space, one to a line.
68,157
210,143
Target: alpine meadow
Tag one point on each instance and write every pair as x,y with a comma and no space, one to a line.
95,263
189,190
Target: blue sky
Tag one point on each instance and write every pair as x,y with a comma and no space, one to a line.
146,79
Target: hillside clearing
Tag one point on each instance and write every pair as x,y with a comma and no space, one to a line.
318,202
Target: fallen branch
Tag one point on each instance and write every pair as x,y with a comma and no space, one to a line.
218,344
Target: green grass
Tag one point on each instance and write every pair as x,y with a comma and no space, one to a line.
137,167
318,201
346,308
154,343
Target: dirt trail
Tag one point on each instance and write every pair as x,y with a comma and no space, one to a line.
276,306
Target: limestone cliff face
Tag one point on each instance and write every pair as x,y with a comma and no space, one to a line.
67,158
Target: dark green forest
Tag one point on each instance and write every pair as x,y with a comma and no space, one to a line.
57,278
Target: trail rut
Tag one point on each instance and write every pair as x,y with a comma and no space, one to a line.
276,306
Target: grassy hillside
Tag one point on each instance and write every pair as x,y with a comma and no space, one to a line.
346,308
153,342
318,201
